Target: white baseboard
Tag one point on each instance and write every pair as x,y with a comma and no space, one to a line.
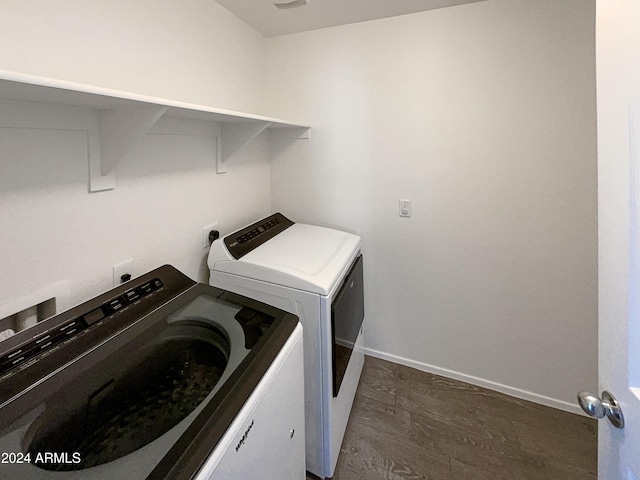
480,382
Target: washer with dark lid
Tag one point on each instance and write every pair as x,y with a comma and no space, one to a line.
155,388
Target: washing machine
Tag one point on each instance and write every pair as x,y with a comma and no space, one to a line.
315,273
160,378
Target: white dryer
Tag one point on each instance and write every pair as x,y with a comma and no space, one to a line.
315,273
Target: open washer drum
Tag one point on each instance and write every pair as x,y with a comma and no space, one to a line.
144,382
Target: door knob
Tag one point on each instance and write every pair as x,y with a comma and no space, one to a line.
597,408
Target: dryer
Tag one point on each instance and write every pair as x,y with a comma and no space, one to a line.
315,273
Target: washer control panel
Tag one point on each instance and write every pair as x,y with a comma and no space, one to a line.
53,337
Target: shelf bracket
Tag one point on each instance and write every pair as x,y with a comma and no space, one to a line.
234,136
119,130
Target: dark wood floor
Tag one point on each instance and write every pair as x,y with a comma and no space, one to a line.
407,424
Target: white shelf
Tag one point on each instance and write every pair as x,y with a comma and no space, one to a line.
125,117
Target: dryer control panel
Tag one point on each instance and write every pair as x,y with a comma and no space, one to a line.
243,241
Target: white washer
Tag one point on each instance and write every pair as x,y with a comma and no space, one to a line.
160,378
316,274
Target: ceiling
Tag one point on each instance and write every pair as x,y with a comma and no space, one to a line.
271,21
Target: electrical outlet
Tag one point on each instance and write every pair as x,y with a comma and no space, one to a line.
404,208
121,270
205,234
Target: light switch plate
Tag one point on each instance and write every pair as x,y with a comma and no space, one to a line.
404,207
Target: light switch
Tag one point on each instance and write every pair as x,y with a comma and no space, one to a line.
405,208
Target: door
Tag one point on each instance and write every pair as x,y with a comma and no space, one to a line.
618,93
347,314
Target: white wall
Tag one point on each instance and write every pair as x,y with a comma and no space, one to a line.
189,50
484,116
51,229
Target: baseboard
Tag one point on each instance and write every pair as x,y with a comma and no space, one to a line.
480,382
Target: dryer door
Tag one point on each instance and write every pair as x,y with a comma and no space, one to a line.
347,314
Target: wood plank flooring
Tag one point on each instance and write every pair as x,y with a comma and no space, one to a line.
408,424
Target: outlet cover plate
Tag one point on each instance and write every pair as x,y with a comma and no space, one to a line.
121,269
205,234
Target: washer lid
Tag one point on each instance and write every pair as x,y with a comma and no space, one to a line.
304,257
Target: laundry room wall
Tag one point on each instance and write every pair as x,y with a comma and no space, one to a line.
58,239
483,115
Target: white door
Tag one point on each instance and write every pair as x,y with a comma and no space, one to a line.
618,92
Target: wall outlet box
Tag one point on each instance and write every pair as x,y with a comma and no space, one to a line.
121,271
205,234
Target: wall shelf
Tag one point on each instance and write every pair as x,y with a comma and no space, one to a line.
124,118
